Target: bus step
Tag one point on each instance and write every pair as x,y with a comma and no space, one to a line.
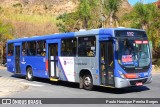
54,79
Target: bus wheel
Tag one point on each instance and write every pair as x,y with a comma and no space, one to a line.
87,82
29,74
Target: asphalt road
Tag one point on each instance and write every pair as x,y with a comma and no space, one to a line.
43,88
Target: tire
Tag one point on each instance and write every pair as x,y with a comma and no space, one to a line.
29,75
81,82
87,82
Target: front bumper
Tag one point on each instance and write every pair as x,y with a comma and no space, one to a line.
121,83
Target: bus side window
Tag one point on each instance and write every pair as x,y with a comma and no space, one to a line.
31,51
24,48
10,49
41,48
87,46
69,47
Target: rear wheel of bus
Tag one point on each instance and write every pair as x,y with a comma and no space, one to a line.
87,82
29,75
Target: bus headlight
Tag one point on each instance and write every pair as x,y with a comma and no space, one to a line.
121,74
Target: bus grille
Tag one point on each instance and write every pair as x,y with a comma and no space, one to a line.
135,70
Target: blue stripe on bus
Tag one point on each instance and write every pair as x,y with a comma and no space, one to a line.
62,70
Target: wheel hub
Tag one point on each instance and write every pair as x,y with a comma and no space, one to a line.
87,81
29,74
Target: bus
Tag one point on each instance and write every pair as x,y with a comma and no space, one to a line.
109,57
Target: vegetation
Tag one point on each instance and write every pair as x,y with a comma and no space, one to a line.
29,24
6,32
17,5
35,18
85,17
91,14
111,8
146,17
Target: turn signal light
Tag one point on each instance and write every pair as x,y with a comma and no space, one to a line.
130,76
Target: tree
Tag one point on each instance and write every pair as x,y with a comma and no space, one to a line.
91,14
68,22
6,32
85,17
142,16
86,11
146,17
111,8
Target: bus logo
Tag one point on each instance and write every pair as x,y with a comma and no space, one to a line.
65,62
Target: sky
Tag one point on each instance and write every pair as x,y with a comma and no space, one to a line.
132,2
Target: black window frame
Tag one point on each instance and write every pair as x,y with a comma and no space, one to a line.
30,49
84,48
24,48
72,52
40,48
10,52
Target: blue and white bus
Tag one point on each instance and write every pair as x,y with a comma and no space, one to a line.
110,57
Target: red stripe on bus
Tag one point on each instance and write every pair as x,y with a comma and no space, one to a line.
46,64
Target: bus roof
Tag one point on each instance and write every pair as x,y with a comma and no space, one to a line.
100,31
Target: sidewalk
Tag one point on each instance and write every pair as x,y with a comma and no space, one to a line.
9,86
1,67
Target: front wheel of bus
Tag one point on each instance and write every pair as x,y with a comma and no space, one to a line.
29,74
87,82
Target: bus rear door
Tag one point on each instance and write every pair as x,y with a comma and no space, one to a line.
17,59
53,60
107,63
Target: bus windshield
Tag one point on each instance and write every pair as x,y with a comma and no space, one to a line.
133,53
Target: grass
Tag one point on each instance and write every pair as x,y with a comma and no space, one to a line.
29,24
39,19
9,14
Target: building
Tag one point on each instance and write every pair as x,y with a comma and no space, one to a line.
157,3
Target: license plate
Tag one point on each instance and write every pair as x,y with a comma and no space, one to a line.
139,84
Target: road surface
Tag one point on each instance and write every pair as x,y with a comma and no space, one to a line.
43,88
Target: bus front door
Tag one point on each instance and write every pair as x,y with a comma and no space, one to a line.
107,63
17,59
53,60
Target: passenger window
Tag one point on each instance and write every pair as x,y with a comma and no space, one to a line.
31,51
69,47
87,46
41,48
10,49
24,48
